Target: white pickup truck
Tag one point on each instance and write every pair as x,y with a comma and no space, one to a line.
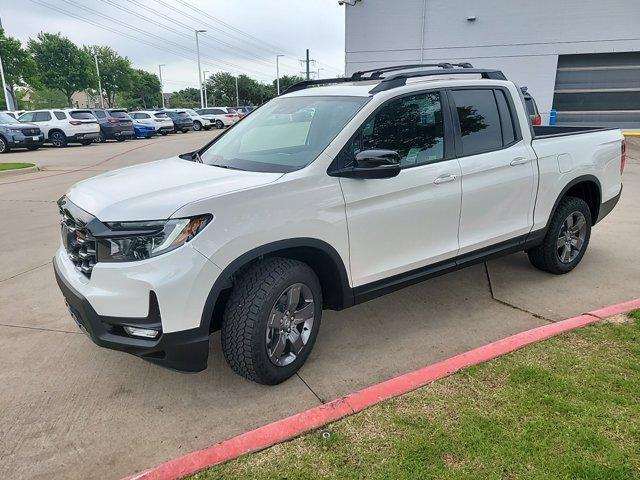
325,197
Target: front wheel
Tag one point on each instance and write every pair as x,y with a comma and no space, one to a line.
271,320
4,146
219,124
197,126
566,240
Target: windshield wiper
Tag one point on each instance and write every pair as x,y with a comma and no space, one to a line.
226,166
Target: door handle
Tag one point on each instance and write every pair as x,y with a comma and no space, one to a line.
519,161
447,177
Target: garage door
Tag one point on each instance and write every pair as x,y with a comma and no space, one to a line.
599,89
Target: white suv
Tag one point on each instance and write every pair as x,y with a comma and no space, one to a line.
158,120
220,116
321,199
199,122
64,126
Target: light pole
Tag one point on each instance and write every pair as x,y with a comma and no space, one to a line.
95,57
10,105
199,71
318,74
204,82
161,85
237,95
278,74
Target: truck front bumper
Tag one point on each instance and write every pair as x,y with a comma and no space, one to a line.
149,306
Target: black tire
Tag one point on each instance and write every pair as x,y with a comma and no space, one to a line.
219,124
197,126
121,139
164,133
207,128
546,256
185,130
4,146
34,147
244,324
86,142
58,139
102,138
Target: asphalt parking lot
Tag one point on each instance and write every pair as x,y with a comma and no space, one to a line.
73,410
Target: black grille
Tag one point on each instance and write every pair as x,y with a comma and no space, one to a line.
30,131
79,243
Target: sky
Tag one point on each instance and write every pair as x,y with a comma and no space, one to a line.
242,36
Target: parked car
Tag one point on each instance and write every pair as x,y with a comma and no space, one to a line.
115,124
199,122
14,134
532,107
390,182
61,127
182,122
244,110
14,113
159,120
142,130
220,116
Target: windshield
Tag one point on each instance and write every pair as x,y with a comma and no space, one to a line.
284,135
6,118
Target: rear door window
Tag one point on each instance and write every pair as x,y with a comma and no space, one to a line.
60,115
479,121
506,119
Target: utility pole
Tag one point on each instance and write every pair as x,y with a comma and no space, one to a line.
10,105
307,62
199,70
161,85
237,95
278,74
95,57
204,83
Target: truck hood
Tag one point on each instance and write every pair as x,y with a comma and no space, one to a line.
155,190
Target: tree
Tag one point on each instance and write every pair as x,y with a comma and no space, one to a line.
144,92
285,82
61,64
221,87
41,98
186,98
116,73
19,67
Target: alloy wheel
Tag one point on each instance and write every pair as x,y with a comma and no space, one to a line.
3,145
571,237
290,324
56,139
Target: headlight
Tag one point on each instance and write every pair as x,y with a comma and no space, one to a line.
131,241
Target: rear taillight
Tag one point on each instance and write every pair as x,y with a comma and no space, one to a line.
75,122
537,120
114,120
623,156
229,115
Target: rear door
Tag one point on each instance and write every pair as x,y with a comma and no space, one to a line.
407,222
44,120
498,176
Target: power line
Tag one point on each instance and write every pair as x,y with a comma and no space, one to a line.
125,34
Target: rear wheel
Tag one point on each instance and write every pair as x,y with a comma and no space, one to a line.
197,126
58,139
271,320
164,133
34,147
121,139
566,240
219,124
86,142
185,130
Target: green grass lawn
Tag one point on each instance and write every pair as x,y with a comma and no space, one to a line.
14,166
565,408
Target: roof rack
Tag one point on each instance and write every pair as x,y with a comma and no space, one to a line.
399,79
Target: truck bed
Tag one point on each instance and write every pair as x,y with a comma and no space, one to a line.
547,131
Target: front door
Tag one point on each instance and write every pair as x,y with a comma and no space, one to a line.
407,222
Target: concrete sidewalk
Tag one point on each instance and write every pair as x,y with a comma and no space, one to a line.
73,410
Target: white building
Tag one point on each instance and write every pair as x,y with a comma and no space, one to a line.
580,56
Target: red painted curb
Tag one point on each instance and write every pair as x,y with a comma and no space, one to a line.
302,422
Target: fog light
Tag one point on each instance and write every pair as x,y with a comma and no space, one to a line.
141,332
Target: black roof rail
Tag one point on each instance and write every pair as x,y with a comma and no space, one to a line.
400,79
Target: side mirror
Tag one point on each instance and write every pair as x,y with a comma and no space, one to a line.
372,164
